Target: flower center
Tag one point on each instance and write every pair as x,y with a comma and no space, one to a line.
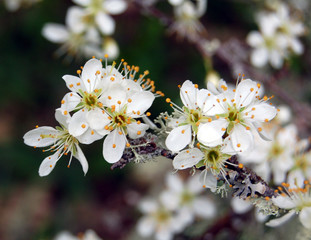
90,100
186,198
193,118
233,116
162,215
213,156
276,150
302,163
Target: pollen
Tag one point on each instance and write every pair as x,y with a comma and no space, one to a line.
92,132
51,166
37,126
183,131
138,122
65,112
128,145
182,166
78,84
79,72
106,56
88,80
252,89
259,129
113,146
138,132
63,101
112,79
240,165
119,102
109,97
266,120
168,100
223,129
148,114
83,126
196,85
71,85
238,145
129,100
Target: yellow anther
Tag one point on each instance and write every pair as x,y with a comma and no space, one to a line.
65,112
241,165
113,146
79,72
196,85
109,97
92,132
148,114
106,56
238,145
259,129
83,126
138,132
168,100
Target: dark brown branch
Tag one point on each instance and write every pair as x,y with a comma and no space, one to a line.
244,181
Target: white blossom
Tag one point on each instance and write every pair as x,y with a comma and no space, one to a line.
158,220
237,112
296,200
61,142
186,198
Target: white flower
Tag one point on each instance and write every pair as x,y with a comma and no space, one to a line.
158,220
296,200
277,37
275,156
99,11
89,119
196,106
187,14
61,142
125,108
237,112
185,198
77,37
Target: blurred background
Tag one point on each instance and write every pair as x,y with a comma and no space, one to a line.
105,200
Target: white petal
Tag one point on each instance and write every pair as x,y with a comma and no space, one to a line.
70,102
279,221
48,164
187,158
80,156
245,93
194,185
171,200
210,134
90,136
305,217
115,6
188,94
74,83
276,59
114,146
213,105
114,96
240,206
284,202
61,118
145,226
97,119
174,183
140,103
135,130
74,19
38,137
203,207
148,205
208,180
105,23
297,46
90,74
111,48
259,57
296,177
178,138
263,112
254,39
55,33
242,139
78,123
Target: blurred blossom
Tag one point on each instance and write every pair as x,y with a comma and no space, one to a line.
295,199
284,114
158,220
175,209
301,169
14,5
187,199
277,38
274,157
187,14
88,235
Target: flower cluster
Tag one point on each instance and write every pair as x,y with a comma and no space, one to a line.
88,29
277,38
219,122
14,5
176,208
102,102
